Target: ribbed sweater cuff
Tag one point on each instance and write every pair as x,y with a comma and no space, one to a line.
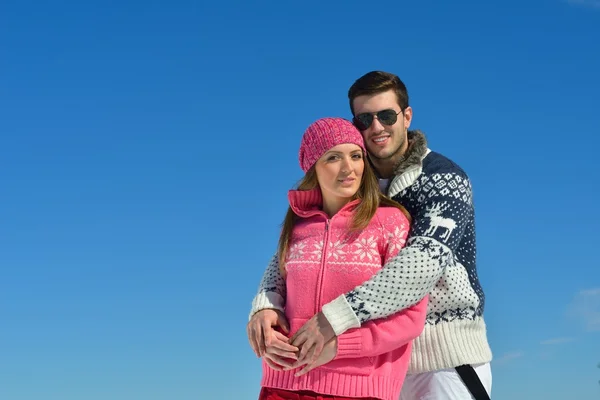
340,315
349,345
265,300
450,344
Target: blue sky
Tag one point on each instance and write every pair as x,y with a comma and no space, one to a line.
146,149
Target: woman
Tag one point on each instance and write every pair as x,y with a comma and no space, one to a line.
338,231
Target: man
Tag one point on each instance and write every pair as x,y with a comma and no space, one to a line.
450,360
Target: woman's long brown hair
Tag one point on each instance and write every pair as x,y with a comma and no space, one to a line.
370,199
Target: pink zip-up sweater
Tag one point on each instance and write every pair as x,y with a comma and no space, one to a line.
325,261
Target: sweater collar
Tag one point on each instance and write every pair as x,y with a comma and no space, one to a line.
410,166
306,203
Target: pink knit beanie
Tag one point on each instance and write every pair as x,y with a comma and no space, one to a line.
324,134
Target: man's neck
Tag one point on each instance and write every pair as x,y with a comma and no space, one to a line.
385,167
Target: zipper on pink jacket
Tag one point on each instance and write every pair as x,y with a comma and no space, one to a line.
322,271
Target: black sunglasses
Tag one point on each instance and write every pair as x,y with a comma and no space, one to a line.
386,117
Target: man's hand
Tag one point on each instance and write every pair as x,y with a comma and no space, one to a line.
260,330
328,354
311,338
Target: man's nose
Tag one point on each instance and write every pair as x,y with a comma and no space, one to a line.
376,126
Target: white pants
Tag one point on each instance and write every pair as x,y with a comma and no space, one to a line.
444,384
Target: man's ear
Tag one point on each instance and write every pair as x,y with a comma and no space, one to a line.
408,114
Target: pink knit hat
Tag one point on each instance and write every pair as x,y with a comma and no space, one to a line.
324,134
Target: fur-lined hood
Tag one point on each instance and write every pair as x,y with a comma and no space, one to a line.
417,149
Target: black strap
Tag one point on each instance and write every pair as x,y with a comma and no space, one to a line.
472,382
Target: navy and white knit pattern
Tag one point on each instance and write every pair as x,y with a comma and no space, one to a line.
273,281
439,254
272,290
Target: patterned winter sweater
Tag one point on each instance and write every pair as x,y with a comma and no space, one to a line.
439,259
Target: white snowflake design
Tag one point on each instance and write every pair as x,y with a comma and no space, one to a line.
397,239
296,251
317,250
367,247
337,250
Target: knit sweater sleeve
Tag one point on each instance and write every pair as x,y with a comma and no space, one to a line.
383,335
271,291
439,221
